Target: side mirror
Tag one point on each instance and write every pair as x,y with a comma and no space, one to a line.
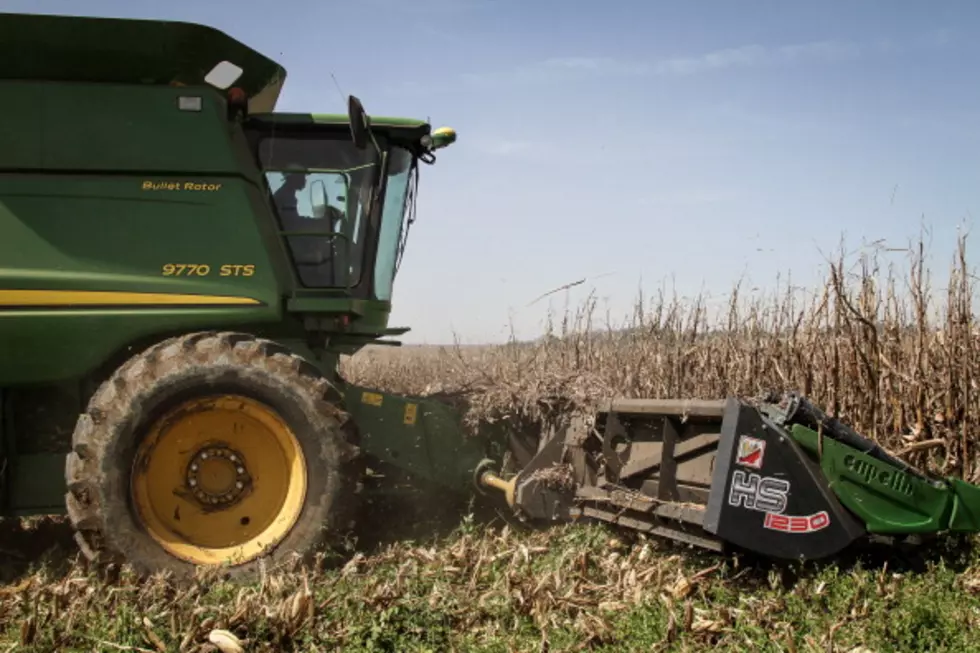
319,200
359,122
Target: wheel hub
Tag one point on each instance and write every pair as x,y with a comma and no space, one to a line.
217,476
219,480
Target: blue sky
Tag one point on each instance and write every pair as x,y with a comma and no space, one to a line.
681,143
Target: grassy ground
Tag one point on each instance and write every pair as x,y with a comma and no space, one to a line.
483,588
899,365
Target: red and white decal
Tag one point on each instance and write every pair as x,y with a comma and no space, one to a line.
751,452
801,524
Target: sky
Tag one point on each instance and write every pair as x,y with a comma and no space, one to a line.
640,145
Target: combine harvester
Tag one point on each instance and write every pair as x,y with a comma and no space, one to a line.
181,268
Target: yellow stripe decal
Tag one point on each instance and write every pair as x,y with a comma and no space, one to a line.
25,298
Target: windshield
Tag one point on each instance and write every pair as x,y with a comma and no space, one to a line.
398,203
327,249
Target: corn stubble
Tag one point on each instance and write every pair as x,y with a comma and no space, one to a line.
888,354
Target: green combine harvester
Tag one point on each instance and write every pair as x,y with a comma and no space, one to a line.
181,268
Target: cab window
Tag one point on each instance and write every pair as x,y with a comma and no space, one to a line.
321,187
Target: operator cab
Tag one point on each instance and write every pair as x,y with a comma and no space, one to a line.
342,209
343,188
321,187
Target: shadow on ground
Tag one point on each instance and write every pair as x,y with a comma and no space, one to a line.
956,552
393,512
953,551
400,512
32,543
396,512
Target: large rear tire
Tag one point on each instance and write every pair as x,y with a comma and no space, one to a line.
212,449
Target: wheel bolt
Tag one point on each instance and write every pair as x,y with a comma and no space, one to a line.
227,498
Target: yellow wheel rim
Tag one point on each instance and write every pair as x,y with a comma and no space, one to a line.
219,480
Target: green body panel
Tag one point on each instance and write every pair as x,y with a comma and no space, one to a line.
965,513
887,499
114,220
37,485
421,436
82,127
110,213
51,346
129,189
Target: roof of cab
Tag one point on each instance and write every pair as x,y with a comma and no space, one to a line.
404,130
130,51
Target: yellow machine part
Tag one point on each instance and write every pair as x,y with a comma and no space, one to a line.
219,480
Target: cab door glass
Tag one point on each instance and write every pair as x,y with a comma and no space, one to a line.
303,174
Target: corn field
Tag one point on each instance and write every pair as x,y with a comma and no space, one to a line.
887,354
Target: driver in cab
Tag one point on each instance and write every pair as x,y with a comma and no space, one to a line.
307,250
